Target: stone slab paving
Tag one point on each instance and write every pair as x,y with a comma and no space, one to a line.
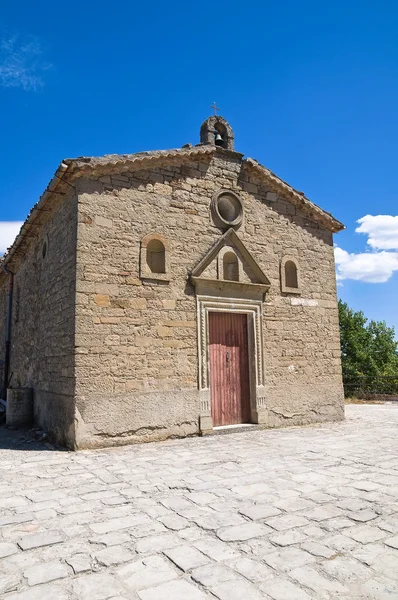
299,513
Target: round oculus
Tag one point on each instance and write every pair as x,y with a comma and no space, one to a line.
228,208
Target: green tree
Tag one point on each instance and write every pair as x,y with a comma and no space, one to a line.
368,352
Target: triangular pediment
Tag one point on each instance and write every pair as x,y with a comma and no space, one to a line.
211,269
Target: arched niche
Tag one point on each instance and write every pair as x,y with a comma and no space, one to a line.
154,257
290,275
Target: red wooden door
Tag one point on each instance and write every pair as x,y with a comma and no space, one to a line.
229,369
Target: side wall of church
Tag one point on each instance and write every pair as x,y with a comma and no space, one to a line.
136,339
43,320
3,319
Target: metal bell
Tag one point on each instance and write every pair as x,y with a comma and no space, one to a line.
218,140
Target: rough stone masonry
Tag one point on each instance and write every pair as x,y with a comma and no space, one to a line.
121,264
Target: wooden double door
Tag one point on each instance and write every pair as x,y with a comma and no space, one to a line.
229,368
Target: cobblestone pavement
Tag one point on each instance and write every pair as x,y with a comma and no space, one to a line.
298,513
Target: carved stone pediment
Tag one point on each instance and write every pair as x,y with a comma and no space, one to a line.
229,269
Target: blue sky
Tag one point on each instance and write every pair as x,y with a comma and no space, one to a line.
310,89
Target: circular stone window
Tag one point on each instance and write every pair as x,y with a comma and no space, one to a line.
227,209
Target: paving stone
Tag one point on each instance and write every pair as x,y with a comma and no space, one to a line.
253,570
314,532
362,516
157,543
46,572
288,558
318,549
320,497
111,539
242,532
368,553
147,572
114,555
16,519
287,522
323,512
38,540
386,563
215,549
46,592
365,534
236,590
7,549
340,543
96,586
175,590
120,523
346,569
9,582
80,563
259,511
192,534
353,504
392,542
310,578
214,521
379,589
252,489
174,522
147,529
186,557
212,574
283,589
287,538
366,486
338,524
202,498
294,504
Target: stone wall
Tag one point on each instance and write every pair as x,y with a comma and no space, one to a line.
42,349
136,339
3,320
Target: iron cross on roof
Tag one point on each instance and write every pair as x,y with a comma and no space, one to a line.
215,108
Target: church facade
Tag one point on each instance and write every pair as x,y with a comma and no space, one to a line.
172,293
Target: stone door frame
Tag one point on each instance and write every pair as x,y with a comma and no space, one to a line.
254,311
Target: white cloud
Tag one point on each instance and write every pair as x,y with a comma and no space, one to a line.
22,63
382,231
371,267
378,264
8,233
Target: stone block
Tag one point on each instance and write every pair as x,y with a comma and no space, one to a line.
103,222
96,586
7,549
241,533
216,549
186,557
283,589
114,555
259,511
101,300
46,572
37,540
176,590
147,572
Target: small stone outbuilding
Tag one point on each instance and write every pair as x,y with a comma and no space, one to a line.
170,293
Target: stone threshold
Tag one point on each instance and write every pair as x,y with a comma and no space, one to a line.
238,428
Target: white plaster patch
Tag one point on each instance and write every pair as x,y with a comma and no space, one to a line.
303,302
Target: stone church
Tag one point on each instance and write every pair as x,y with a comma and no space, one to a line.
170,293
